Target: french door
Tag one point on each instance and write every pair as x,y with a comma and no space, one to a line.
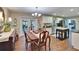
29,24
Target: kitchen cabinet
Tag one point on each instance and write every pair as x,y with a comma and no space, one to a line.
75,40
47,22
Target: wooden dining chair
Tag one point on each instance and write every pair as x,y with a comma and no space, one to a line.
27,40
42,40
11,44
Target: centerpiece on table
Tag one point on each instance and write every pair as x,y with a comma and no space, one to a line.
7,27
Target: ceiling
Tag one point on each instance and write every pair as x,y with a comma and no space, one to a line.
57,11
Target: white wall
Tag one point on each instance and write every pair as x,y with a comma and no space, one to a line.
77,24
6,13
19,17
47,19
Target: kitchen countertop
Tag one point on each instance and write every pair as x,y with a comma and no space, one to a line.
5,35
61,28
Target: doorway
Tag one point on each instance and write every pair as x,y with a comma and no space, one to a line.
29,24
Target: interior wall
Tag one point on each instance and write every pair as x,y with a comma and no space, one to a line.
40,22
49,21
20,16
77,24
6,13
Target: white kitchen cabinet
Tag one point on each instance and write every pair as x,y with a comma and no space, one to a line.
48,20
75,40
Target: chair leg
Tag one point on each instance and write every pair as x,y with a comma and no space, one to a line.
32,46
26,45
45,47
39,48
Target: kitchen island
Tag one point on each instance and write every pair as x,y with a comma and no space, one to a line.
62,33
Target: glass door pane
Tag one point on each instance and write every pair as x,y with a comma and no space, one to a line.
34,24
25,25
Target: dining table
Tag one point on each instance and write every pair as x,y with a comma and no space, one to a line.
32,36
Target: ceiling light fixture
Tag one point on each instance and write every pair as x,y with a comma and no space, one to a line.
36,14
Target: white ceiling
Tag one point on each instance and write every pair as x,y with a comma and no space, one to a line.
58,11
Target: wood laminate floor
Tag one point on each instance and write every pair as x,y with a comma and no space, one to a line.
56,45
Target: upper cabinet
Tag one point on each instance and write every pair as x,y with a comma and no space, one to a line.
47,19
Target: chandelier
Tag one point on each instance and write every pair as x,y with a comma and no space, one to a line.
36,14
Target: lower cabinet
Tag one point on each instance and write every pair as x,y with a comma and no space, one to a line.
75,40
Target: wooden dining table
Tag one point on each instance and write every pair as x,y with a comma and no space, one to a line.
35,36
32,36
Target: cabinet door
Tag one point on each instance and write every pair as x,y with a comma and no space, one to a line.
75,40
77,25
47,19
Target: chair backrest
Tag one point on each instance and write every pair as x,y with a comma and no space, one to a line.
43,36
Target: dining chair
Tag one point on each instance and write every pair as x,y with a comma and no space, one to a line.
16,36
11,44
27,40
42,40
